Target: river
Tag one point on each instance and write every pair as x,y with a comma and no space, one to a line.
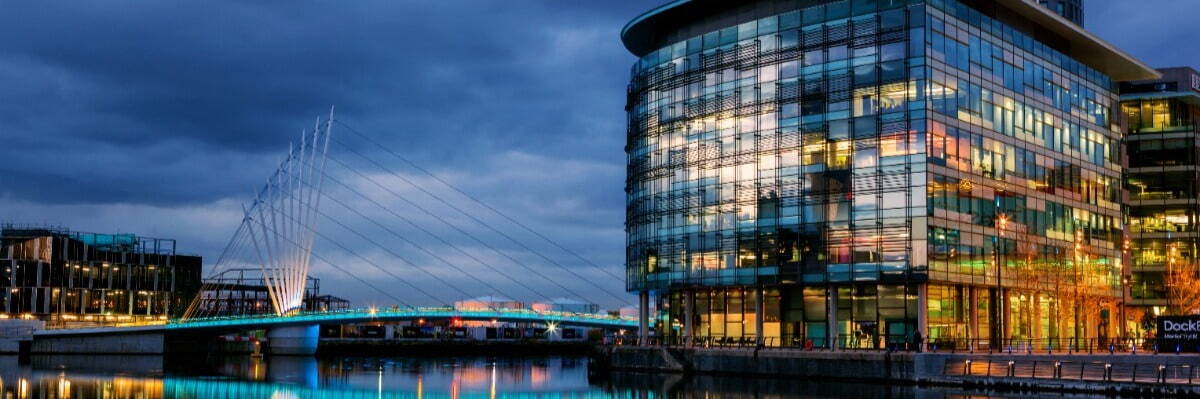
152,377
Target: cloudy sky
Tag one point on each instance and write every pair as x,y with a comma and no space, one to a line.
163,118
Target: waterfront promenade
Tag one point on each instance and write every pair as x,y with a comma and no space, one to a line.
1080,371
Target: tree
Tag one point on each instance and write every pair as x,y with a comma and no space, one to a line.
1183,284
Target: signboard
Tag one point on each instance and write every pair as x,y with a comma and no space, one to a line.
1179,333
1195,82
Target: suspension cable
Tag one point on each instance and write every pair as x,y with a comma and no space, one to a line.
475,200
444,241
460,230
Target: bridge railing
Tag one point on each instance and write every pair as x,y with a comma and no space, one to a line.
434,311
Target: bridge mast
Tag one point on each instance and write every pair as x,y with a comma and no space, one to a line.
281,223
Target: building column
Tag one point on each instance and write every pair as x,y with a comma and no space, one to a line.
1035,325
643,317
689,307
923,312
1006,324
758,315
831,318
972,307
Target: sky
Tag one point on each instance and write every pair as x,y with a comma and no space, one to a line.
164,118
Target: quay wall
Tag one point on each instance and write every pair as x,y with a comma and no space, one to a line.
1081,373
147,343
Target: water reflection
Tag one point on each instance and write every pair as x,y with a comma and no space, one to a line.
145,377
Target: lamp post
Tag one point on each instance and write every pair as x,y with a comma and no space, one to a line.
1001,312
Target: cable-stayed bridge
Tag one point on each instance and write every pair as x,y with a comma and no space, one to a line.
411,237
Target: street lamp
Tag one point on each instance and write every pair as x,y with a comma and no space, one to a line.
1001,223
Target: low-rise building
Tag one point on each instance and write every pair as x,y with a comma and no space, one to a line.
66,277
565,305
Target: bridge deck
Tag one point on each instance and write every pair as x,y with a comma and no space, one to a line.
364,315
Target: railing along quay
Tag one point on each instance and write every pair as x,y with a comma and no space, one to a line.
1073,370
1014,346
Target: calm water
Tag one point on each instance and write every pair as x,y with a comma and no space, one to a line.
289,377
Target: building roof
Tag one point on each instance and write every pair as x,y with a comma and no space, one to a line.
488,298
639,35
565,301
1186,96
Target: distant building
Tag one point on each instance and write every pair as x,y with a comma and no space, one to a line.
67,277
488,302
1072,10
628,312
565,305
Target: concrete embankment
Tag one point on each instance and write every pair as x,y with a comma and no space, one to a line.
1160,375
370,347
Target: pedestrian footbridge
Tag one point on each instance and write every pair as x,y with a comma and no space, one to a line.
293,333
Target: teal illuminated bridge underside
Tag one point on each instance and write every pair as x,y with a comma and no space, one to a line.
369,315
365,315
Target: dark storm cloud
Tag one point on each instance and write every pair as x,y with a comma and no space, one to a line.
1161,33
94,85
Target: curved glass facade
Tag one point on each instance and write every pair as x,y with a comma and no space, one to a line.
854,171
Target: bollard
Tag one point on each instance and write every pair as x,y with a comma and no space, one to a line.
967,371
1112,348
1029,347
1107,371
1057,369
1012,370
1162,374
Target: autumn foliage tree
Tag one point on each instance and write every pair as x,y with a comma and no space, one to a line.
1183,286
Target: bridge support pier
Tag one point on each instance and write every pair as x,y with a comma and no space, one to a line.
294,340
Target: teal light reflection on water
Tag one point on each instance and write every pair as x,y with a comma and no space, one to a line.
152,377
296,377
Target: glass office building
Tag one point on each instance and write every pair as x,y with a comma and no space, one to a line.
1162,181
851,172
